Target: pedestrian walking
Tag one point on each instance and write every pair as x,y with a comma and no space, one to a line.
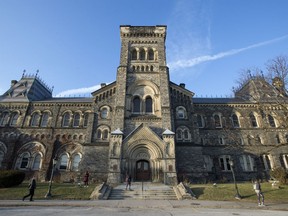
86,179
32,187
259,193
128,182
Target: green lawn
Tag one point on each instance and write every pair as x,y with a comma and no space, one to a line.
225,192
58,191
222,192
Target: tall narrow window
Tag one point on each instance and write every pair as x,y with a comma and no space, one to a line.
200,121
14,118
151,54
217,121
134,54
148,105
76,120
271,121
136,105
36,162
75,162
99,134
66,120
253,120
181,112
63,162
24,161
142,54
235,121
285,160
4,118
85,122
224,163
265,160
35,120
105,134
44,119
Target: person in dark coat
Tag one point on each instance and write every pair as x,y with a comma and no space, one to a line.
128,181
86,179
32,187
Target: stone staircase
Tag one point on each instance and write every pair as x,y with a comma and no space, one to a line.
145,191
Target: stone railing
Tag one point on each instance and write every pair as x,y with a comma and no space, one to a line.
101,192
183,192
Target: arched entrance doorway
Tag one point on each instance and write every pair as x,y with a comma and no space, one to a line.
143,172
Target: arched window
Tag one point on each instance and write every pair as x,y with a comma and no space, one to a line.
35,120
151,68
104,113
24,161
66,120
179,134
186,134
4,117
271,121
85,122
217,121
75,162
235,121
148,105
14,118
278,141
136,105
181,112
253,120
105,134
99,134
76,120
63,162
36,162
142,54
134,54
200,121
150,54
44,119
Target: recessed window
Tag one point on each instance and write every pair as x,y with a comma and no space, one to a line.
36,162
134,54
85,122
66,120
136,105
4,118
148,105
75,162
24,161
200,121
253,120
104,113
63,162
271,121
235,121
265,161
224,163
217,120
44,119
35,120
14,118
142,54
76,120
247,163
151,54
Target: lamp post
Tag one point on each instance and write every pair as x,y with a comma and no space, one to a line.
48,195
237,195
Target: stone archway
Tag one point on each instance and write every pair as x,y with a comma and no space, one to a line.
144,161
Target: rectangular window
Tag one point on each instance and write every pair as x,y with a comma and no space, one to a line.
224,163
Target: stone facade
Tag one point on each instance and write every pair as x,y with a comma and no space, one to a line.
144,125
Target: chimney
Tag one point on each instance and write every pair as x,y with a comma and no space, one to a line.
13,82
103,85
182,85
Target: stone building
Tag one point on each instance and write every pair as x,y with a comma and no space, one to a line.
144,124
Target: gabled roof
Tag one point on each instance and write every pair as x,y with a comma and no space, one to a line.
28,88
148,134
257,89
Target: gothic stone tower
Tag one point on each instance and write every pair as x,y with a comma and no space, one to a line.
142,143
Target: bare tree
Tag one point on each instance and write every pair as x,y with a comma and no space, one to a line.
278,67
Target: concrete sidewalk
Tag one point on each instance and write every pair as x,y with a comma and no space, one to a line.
146,204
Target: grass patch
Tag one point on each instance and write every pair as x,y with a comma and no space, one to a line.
226,192
59,191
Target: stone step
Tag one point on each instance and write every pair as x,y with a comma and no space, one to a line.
149,191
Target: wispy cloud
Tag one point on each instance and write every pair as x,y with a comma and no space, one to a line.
206,58
79,91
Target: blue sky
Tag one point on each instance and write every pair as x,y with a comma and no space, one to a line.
75,44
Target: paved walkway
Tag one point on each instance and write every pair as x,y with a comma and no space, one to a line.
146,204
